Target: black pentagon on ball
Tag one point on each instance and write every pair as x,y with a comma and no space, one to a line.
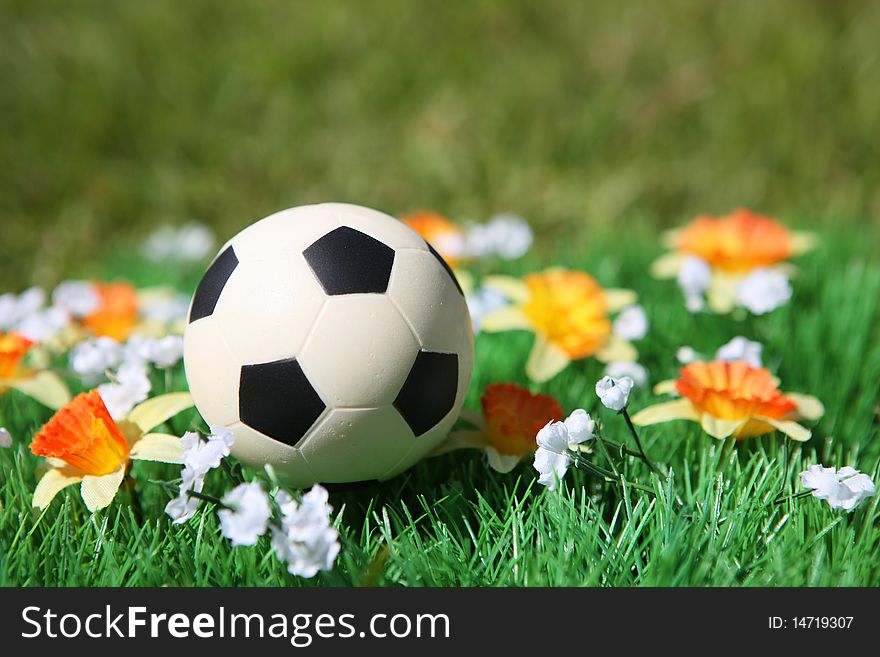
347,261
211,285
428,394
446,267
277,400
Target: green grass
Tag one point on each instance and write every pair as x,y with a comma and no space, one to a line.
452,521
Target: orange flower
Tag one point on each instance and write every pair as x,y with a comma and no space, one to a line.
43,386
441,233
513,417
733,399
118,314
506,430
13,348
568,311
83,435
738,242
84,444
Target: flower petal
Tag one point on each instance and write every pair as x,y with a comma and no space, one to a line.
98,492
791,429
667,387
157,410
808,407
502,463
158,447
462,439
667,265
721,295
801,242
513,288
680,409
53,482
619,298
45,387
617,349
508,318
546,360
719,428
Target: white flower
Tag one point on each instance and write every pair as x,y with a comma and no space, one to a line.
92,357
694,275
505,235
686,355
41,325
743,349
199,458
165,309
555,441
166,352
5,437
15,308
763,290
306,540
842,489
189,243
619,369
131,387
79,298
631,323
247,515
481,302
614,393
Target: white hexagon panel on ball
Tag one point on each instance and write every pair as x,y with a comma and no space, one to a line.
333,341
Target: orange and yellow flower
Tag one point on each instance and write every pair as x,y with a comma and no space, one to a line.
512,416
570,315
83,444
117,316
41,385
443,234
732,398
732,246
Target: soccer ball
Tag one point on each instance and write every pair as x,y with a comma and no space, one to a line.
333,341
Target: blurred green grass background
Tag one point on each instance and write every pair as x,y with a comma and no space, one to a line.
119,117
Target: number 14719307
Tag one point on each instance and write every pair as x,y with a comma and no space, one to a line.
810,622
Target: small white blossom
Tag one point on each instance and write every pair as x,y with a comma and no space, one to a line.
763,290
167,351
14,308
614,393
620,369
92,357
743,349
686,355
631,323
5,437
842,489
504,235
306,540
79,298
165,309
555,441
189,243
481,302
131,387
247,515
199,458
693,279
41,325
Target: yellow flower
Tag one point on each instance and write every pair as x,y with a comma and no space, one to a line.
732,398
117,316
731,247
41,385
83,444
570,315
511,419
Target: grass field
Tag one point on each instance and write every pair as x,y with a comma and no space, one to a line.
600,124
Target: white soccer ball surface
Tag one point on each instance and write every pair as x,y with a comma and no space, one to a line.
333,341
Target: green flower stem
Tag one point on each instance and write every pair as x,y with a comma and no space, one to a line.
635,434
581,461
